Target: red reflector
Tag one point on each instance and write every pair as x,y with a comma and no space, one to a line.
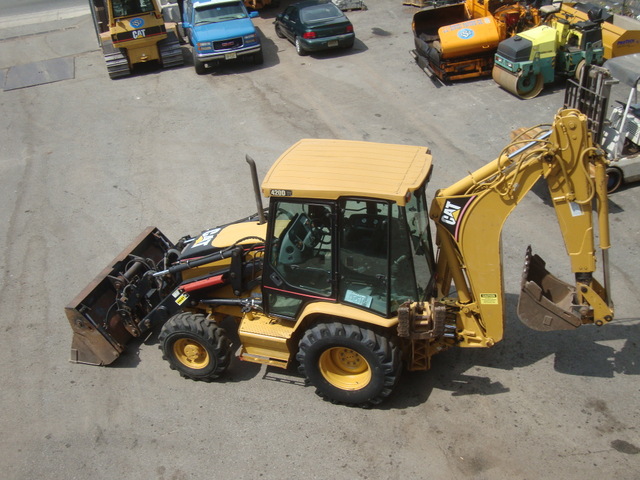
349,28
309,35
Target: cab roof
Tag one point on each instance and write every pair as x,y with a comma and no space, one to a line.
330,169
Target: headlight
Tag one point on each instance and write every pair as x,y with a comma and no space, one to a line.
205,46
253,38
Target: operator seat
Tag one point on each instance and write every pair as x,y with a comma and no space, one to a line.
547,10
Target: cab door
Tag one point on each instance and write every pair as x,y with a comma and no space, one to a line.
364,254
299,265
383,254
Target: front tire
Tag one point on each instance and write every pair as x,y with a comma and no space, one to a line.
349,364
258,58
200,67
194,346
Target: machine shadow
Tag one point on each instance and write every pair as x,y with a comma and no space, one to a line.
581,352
238,370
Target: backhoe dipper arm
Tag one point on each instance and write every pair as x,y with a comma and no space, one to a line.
470,215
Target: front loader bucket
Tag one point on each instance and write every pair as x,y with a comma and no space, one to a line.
545,302
109,311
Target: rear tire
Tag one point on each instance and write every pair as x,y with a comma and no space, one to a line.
349,364
614,179
194,346
299,48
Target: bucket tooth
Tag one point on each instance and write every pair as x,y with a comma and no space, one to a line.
546,303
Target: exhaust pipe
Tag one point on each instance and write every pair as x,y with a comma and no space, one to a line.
256,188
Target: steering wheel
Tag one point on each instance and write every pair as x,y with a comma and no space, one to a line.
297,241
318,234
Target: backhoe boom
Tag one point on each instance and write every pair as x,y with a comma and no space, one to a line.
470,215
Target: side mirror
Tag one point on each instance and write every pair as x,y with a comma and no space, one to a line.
253,14
186,25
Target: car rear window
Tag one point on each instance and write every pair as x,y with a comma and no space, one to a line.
319,13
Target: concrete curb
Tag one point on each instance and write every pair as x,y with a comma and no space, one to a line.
42,17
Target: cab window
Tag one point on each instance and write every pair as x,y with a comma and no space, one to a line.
300,260
364,253
123,8
421,247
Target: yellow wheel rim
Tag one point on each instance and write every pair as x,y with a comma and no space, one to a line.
345,368
191,353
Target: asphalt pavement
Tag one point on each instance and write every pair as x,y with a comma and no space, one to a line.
86,163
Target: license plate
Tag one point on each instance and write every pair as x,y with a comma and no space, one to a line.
230,56
332,43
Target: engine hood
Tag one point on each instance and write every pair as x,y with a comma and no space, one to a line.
218,238
213,32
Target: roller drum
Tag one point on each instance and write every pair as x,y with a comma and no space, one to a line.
522,86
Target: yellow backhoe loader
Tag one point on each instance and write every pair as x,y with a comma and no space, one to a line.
132,32
339,275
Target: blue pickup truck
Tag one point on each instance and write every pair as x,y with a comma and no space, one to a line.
220,30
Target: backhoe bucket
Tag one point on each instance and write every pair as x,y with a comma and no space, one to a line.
120,302
545,302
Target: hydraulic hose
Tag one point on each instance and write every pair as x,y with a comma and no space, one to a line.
214,257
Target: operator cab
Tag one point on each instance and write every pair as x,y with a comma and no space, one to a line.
348,224
128,8
366,253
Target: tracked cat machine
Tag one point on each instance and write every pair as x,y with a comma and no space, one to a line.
339,276
133,32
